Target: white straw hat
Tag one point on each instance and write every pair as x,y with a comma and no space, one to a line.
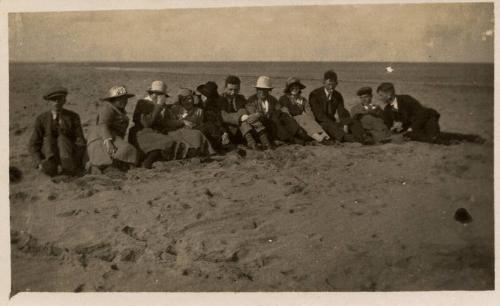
264,82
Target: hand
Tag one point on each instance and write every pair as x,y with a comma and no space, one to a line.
225,138
346,129
397,127
188,124
161,100
39,167
110,147
253,117
244,118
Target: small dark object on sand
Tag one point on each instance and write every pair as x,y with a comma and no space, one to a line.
15,175
241,152
463,216
79,288
209,193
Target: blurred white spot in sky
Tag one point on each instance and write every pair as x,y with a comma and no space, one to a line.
485,34
389,69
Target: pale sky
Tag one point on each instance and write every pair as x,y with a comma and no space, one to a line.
390,32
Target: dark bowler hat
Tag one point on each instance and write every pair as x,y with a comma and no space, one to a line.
330,75
386,87
209,89
364,91
54,92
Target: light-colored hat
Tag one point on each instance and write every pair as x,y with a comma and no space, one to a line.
116,92
264,82
158,87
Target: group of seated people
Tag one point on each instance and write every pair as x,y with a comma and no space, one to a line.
203,122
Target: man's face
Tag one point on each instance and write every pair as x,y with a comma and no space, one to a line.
263,93
330,84
56,103
232,89
188,102
365,99
385,96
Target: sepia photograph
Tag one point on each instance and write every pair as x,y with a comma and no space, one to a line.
262,148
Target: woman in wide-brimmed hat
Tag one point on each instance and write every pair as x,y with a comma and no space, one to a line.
106,145
156,132
298,107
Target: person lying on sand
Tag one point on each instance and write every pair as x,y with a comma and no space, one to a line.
370,116
57,144
326,102
157,132
262,106
293,103
106,145
232,111
404,114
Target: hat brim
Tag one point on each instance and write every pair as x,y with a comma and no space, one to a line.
111,98
260,87
158,92
53,95
301,86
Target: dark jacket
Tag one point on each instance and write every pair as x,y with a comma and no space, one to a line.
45,133
410,113
324,110
231,112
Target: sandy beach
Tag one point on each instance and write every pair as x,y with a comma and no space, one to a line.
314,218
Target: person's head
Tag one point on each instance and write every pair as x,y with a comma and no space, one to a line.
263,87
365,95
386,92
330,80
158,91
118,96
186,98
294,86
232,86
56,98
119,102
208,90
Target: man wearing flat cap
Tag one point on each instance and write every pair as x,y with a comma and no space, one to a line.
370,116
57,144
327,105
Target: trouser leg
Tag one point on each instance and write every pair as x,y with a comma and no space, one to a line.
67,155
334,130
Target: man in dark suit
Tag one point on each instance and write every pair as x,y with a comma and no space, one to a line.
325,103
57,140
404,114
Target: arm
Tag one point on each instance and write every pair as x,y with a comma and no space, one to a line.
79,137
105,119
35,143
171,122
342,112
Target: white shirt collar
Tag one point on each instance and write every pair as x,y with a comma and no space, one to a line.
394,103
327,92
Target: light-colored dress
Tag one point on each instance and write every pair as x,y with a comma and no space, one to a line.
300,110
111,122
